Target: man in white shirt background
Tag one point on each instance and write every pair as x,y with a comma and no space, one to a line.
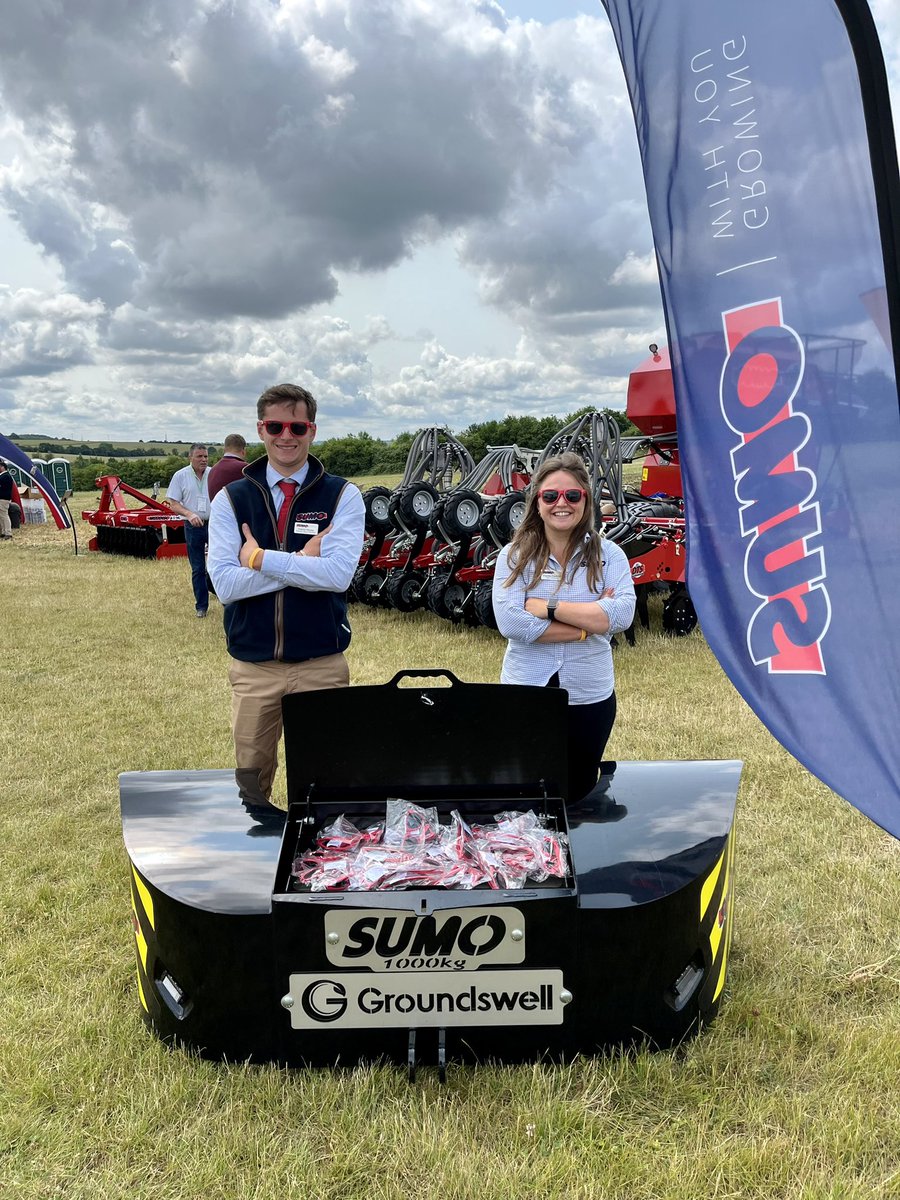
188,494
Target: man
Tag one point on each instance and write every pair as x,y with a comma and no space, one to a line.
6,495
285,540
188,494
230,465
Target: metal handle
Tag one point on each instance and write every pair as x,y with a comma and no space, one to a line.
417,673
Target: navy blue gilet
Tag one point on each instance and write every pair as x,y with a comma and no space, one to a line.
290,625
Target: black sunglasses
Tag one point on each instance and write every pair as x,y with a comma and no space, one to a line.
297,428
551,495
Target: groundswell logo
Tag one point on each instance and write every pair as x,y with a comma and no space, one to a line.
779,511
390,999
324,1001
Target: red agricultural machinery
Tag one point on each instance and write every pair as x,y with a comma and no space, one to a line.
433,543
151,531
435,547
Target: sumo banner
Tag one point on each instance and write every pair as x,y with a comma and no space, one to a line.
771,173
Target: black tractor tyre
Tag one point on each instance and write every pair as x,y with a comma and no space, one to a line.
487,517
377,503
509,515
483,603
460,514
415,505
434,592
406,592
679,617
354,592
456,603
371,589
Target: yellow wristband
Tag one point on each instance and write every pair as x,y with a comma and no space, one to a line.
252,563
583,635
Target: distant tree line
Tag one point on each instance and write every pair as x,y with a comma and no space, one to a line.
98,449
356,454
36,445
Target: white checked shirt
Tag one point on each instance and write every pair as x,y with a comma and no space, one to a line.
585,668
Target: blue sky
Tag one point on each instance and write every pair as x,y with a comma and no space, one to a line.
427,211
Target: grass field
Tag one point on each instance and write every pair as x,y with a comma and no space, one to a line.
793,1093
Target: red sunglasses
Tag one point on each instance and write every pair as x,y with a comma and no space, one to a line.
572,495
297,428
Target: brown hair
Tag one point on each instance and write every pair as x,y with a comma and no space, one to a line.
286,393
529,547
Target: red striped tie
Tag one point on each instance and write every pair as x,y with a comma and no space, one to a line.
288,486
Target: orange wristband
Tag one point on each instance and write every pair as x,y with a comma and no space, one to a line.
583,635
252,563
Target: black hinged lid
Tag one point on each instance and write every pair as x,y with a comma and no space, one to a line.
426,737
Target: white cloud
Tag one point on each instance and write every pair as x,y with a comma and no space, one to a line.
43,334
213,183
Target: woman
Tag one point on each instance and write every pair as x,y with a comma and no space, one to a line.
560,592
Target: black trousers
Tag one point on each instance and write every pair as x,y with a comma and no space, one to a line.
589,728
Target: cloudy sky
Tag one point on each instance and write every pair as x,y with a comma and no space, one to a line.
426,211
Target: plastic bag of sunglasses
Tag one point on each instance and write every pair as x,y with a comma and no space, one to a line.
342,834
407,824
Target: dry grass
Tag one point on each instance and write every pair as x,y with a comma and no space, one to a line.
792,1093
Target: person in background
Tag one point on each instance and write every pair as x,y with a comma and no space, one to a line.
560,592
188,494
285,540
6,495
230,465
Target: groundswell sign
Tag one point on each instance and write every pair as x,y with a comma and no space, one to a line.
771,174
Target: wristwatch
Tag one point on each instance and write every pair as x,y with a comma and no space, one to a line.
551,609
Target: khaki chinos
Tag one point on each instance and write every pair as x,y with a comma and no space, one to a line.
256,693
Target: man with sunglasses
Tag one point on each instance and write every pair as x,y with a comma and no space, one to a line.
285,540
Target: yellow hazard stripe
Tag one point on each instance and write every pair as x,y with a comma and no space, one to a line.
143,998
139,935
729,923
146,898
140,894
709,885
718,928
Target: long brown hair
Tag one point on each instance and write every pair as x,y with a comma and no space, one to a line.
529,546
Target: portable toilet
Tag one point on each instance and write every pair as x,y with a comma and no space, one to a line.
59,472
18,474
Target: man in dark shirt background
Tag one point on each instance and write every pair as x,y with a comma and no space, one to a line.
230,465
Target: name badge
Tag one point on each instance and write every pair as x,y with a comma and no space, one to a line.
305,527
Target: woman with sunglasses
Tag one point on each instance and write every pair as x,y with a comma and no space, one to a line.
560,592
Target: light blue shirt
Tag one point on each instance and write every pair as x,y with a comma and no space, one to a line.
331,571
187,489
585,668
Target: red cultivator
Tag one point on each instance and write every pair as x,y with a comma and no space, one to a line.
153,531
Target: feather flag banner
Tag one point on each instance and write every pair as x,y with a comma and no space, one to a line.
771,175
